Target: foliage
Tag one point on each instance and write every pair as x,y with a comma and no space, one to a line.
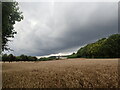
103,48
10,14
22,57
48,58
74,55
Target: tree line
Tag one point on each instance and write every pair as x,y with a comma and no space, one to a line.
12,58
103,48
49,58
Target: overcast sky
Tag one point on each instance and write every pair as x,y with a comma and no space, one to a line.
62,27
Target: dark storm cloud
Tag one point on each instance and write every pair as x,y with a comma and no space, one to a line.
51,28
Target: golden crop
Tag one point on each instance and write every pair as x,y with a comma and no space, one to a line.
69,73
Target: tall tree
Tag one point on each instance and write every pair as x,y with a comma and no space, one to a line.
10,14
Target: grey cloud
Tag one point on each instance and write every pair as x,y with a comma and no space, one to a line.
64,27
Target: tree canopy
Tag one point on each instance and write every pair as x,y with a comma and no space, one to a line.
103,48
22,57
10,14
12,58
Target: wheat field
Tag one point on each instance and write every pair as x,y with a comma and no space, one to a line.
69,73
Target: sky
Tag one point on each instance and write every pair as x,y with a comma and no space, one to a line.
60,28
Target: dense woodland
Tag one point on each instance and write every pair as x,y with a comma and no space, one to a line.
103,48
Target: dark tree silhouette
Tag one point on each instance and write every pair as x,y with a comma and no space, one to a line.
10,14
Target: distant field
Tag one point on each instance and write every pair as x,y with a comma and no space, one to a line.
71,73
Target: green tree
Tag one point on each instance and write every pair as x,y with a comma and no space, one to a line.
24,57
103,48
74,55
10,14
10,57
111,47
4,57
